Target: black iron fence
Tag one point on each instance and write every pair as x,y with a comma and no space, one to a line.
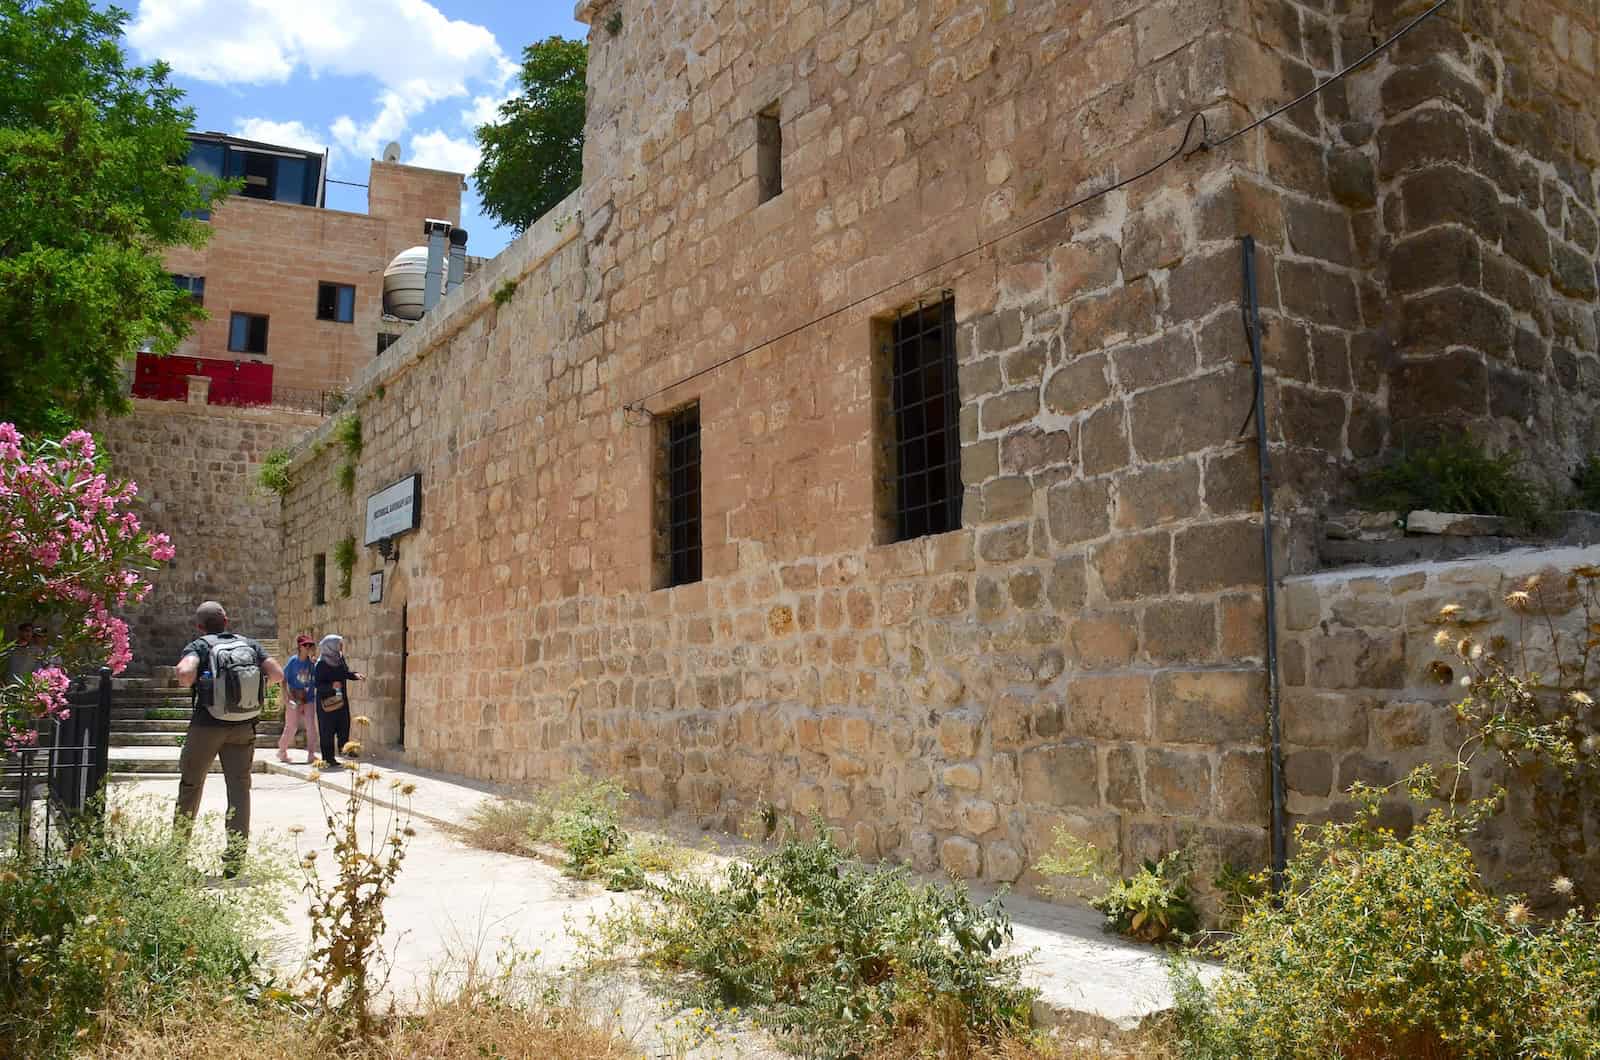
322,402
51,787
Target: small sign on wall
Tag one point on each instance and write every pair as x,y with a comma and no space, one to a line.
395,509
375,587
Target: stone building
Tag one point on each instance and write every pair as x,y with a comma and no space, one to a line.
819,451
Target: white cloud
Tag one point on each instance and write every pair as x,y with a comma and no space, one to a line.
367,139
282,133
484,109
414,52
408,46
436,149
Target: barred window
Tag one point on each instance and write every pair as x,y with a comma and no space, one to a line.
925,408
678,551
319,578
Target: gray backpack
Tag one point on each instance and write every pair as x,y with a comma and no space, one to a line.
237,685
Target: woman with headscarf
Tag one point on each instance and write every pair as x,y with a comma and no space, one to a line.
333,703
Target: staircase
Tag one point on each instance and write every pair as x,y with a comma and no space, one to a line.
149,717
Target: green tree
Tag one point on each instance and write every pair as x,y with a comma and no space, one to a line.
533,156
94,187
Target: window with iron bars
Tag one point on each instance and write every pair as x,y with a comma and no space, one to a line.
924,408
678,539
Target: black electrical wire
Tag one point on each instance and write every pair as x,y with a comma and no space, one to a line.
637,405
1302,97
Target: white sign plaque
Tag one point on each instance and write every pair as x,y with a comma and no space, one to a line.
394,510
375,587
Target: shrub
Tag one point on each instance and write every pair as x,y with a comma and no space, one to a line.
1385,946
1454,475
1152,905
273,475
584,818
841,961
72,552
120,920
344,557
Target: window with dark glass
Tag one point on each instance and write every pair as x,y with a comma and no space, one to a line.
678,553
925,406
195,285
337,302
319,578
247,333
769,153
278,176
386,339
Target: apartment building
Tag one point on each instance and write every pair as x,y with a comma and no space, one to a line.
294,289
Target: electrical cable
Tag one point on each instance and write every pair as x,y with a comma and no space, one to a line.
1302,97
1206,144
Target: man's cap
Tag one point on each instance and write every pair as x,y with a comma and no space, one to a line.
303,641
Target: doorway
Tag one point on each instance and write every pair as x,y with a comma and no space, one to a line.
405,636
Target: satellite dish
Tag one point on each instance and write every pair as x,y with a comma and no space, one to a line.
392,152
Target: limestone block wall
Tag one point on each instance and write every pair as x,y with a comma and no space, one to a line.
1362,701
196,469
1434,218
1087,648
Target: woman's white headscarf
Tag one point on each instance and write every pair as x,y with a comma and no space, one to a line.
332,649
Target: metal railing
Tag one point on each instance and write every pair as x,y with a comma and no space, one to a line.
322,402
53,786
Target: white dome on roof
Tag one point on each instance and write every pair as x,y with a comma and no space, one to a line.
403,281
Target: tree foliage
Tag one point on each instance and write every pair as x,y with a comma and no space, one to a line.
95,188
533,155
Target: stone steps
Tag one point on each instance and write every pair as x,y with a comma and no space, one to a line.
140,763
265,737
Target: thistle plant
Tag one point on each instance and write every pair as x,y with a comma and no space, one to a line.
369,834
1530,703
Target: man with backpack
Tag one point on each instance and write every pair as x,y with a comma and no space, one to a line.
228,676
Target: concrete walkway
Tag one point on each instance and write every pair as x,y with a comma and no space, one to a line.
453,901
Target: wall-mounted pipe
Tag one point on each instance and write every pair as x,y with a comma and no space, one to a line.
1252,327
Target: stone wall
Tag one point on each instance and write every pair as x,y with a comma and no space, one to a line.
1434,219
1363,699
1087,649
196,470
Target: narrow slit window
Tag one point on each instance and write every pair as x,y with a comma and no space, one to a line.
319,579
247,333
925,405
679,559
769,153
336,302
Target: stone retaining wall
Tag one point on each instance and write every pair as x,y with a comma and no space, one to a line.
1364,701
196,468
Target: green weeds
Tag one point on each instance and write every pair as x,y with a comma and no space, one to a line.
838,961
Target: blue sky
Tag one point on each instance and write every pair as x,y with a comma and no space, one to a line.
351,75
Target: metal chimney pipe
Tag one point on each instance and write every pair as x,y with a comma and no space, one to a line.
458,259
433,280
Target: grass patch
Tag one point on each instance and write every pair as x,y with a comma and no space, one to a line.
479,1020
121,920
838,962
583,818
1455,475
